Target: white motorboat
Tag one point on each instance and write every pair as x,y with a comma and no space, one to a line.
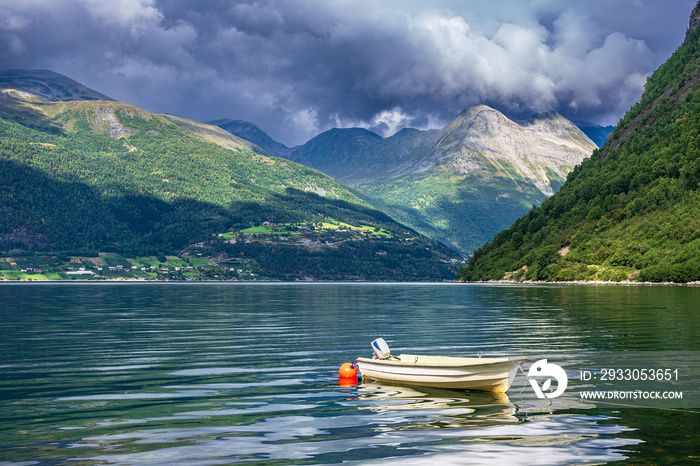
487,374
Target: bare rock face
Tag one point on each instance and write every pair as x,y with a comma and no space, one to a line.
483,139
105,119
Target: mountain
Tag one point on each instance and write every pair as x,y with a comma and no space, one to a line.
539,151
45,85
631,211
334,149
460,184
463,183
107,176
252,133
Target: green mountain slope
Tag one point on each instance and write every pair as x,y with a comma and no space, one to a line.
632,210
108,176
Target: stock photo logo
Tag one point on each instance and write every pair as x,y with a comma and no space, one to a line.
542,368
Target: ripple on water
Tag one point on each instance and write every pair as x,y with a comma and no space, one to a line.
222,374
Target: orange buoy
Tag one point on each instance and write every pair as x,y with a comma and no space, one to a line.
348,370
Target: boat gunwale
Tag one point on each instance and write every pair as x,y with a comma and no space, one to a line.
458,363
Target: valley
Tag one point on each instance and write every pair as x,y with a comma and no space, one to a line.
459,184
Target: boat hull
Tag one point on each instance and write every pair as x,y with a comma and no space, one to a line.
487,374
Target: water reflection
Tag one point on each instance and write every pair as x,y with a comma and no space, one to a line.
363,423
449,408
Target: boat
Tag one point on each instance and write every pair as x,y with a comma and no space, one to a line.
484,374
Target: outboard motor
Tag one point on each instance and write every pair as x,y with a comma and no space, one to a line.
381,349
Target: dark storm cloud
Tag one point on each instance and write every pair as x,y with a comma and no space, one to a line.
299,67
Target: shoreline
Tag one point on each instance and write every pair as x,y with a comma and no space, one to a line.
578,282
454,282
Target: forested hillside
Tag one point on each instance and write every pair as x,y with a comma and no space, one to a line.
87,176
630,211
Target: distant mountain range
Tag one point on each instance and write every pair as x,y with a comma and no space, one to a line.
459,184
83,173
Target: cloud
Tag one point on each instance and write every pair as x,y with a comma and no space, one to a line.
299,67
136,16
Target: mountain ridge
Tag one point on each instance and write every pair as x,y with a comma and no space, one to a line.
546,124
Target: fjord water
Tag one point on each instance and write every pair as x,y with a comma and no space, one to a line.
203,374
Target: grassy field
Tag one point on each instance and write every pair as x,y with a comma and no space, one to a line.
294,229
